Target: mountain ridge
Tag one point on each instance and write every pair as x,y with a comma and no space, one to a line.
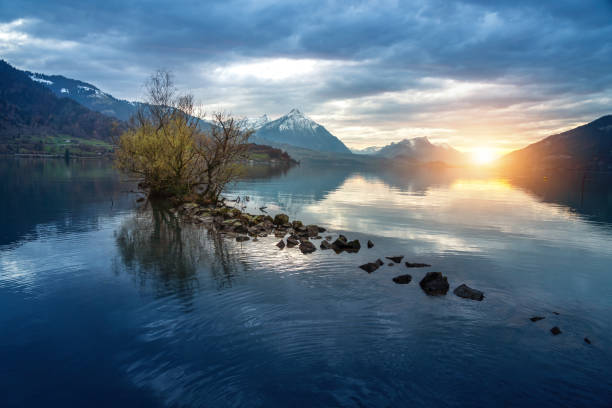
586,147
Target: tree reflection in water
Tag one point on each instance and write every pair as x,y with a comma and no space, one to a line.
158,250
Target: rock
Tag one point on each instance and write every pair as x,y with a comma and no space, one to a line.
307,247
281,219
379,262
434,284
339,244
370,244
240,229
297,224
396,259
292,241
328,238
325,245
321,229
555,330
242,238
140,199
281,244
312,230
556,313
390,264
280,234
370,267
353,246
587,341
466,292
402,279
416,265
536,318
317,237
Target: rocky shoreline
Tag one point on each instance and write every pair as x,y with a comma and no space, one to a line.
244,227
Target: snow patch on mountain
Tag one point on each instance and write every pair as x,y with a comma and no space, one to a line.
41,80
256,123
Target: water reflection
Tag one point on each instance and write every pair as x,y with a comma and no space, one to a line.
588,194
57,195
161,252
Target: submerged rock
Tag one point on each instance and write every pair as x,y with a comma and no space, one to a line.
379,262
390,264
536,318
325,245
242,238
307,247
281,219
466,292
402,279
416,265
396,259
370,244
587,340
370,267
555,330
281,244
434,284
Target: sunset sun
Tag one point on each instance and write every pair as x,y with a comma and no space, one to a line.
483,155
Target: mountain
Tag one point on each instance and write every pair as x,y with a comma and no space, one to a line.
587,147
298,130
256,123
87,95
367,151
30,111
422,150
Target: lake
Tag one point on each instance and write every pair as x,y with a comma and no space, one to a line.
106,302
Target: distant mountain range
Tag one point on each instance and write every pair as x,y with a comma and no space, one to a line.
418,149
35,106
296,129
367,151
587,147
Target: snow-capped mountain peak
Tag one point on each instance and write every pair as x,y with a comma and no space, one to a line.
298,130
296,120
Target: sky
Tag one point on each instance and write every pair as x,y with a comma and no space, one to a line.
477,74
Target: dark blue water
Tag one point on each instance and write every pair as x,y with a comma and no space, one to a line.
105,303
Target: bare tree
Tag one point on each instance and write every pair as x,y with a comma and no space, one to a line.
167,147
222,149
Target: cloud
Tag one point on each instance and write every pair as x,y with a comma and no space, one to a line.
370,71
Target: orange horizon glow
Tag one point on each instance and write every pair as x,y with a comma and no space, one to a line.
484,155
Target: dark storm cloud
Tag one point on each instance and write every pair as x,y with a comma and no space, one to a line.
545,50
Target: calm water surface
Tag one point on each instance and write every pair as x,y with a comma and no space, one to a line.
103,303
